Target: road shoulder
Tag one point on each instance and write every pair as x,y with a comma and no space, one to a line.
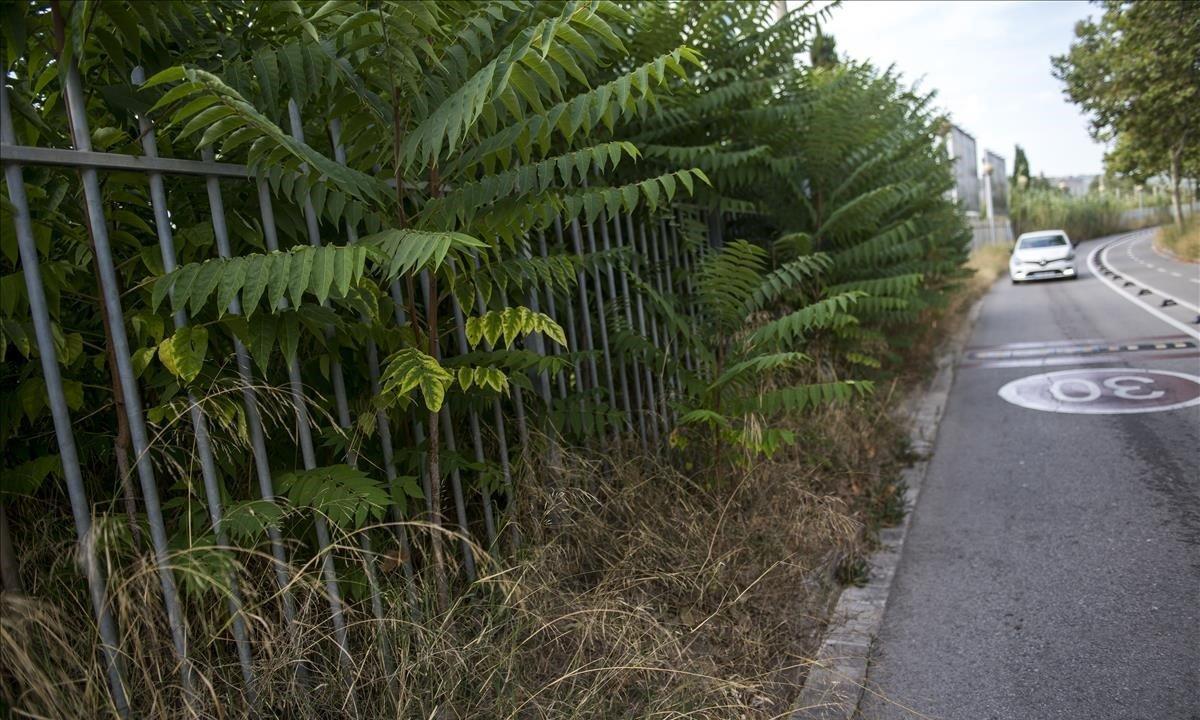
836,681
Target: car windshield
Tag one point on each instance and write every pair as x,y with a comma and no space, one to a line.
1043,241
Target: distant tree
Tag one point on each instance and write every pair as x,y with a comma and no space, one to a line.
823,51
1135,70
1020,176
1136,159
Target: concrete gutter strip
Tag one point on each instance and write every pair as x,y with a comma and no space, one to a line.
837,678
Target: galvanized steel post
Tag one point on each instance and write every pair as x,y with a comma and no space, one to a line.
81,139
61,415
208,466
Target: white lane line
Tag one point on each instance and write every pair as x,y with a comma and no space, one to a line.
1095,268
1177,300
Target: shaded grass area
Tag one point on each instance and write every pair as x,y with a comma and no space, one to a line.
1183,243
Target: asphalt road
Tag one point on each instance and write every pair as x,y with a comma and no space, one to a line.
1052,569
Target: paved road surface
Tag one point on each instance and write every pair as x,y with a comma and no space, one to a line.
1052,569
1137,258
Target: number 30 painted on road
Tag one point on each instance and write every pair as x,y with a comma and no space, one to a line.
1104,391
1093,391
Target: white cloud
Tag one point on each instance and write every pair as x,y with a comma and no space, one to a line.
990,64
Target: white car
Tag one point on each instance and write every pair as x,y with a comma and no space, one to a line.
1042,255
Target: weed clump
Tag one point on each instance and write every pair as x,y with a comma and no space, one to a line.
635,592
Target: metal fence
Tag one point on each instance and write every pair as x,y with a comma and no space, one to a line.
609,396
1155,214
984,232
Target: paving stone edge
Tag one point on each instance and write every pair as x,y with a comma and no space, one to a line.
836,680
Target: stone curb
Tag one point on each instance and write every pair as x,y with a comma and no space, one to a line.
837,678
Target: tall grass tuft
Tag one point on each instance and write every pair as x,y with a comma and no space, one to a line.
1083,218
638,594
1183,243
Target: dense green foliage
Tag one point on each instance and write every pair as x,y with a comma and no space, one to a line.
784,229
1136,71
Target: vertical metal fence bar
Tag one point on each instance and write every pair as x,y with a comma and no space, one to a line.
308,453
658,329
80,507
603,323
552,311
536,342
258,445
639,407
668,331
341,400
489,520
585,313
665,371
208,466
418,428
652,323
498,419
647,377
81,139
382,423
383,429
389,466
460,507
622,371
505,468
574,344
681,250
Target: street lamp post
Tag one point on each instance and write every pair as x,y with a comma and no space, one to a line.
987,198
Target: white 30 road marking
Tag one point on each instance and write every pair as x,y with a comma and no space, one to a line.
1115,288
1104,391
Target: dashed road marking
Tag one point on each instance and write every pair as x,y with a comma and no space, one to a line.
1094,266
1102,252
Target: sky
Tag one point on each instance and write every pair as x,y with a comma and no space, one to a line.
989,61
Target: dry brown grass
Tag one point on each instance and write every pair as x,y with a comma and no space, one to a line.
988,264
638,594
1182,243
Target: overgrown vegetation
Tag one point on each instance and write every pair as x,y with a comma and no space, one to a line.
1183,243
1083,217
621,288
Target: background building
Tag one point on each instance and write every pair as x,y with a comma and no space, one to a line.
961,148
999,182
